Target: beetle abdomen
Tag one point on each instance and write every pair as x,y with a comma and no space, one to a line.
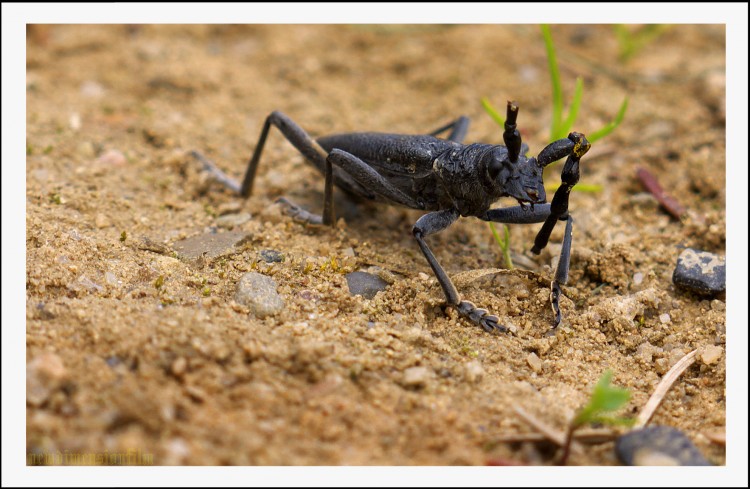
395,153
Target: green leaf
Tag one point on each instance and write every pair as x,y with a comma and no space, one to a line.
604,398
612,125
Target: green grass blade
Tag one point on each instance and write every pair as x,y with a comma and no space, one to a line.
612,125
557,102
625,40
504,244
492,111
591,188
631,43
573,113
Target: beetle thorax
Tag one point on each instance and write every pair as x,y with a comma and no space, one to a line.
464,179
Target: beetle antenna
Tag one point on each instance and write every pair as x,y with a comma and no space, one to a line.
511,136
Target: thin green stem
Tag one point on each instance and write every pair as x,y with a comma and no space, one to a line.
503,243
557,102
492,111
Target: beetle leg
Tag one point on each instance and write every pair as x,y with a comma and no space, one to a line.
430,224
217,174
305,145
458,128
519,214
367,177
291,131
295,135
542,213
561,274
570,175
363,174
301,215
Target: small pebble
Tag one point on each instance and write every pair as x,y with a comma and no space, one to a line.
416,377
44,375
365,284
645,352
258,292
637,278
665,318
272,256
232,207
473,372
86,149
85,283
92,89
75,121
176,451
229,221
112,157
711,354
700,271
102,221
534,362
179,366
658,445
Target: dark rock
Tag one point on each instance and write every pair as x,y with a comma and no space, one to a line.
365,284
701,272
272,256
658,445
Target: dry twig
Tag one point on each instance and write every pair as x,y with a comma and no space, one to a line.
661,389
667,201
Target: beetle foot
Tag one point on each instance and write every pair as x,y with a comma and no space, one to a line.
482,317
215,173
554,298
298,213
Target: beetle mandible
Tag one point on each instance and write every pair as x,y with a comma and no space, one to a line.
442,176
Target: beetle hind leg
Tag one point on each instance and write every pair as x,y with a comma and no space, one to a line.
458,129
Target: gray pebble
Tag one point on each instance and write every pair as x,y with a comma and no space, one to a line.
701,272
658,445
365,284
272,256
258,292
212,244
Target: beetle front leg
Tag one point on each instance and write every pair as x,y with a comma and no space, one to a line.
561,274
430,224
541,213
575,147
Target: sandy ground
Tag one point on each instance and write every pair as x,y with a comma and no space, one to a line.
131,349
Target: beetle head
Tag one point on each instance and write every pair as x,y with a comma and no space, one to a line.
514,174
520,179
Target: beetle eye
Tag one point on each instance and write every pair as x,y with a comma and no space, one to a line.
493,169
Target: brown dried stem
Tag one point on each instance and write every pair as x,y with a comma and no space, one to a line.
667,201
